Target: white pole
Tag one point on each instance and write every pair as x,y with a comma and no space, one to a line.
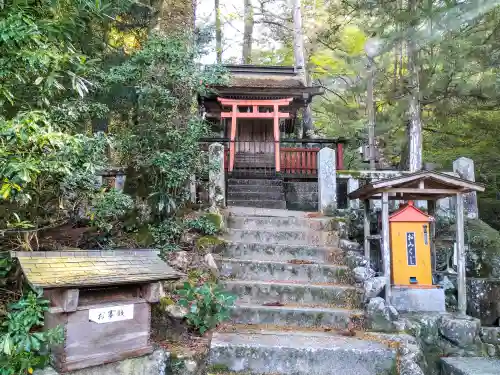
462,293
386,250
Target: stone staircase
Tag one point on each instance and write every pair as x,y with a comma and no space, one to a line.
297,304
254,192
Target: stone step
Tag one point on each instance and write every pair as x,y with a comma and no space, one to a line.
470,366
282,271
301,187
255,211
285,237
305,197
302,205
255,188
276,204
284,253
270,222
299,353
256,196
255,181
299,316
326,295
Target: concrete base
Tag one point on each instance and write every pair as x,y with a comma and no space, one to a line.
470,366
407,299
153,364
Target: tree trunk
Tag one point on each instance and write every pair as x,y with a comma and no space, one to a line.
298,40
414,119
248,32
174,16
218,32
300,62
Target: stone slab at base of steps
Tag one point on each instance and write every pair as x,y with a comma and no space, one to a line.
270,222
292,237
283,253
299,353
254,196
275,204
255,181
470,366
256,188
269,271
255,211
326,295
296,316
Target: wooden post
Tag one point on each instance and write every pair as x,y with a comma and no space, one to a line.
276,125
366,204
431,207
353,185
386,251
462,293
234,108
340,156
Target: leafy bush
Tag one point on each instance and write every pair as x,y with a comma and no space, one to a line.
166,235
109,206
160,143
42,169
208,305
23,346
202,225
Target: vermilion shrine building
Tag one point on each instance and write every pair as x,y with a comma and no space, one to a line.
257,116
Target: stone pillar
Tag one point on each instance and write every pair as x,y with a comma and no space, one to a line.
192,189
461,276
465,169
386,247
120,182
352,185
327,180
216,175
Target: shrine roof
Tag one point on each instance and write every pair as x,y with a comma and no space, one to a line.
57,269
421,185
267,81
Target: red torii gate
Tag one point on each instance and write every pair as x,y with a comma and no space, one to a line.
255,114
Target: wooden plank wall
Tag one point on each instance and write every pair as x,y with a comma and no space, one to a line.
254,136
89,343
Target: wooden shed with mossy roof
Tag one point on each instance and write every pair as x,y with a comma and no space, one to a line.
100,298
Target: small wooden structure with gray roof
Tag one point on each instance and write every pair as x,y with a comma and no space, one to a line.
100,298
423,185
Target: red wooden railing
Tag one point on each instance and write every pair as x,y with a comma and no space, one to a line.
299,161
293,160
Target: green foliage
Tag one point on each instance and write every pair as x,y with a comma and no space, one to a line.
5,266
108,207
160,142
44,173
166,235
482,236
206,242
23,346
202,225
208,305
216,219
47,156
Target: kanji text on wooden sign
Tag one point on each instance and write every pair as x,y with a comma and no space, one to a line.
111,314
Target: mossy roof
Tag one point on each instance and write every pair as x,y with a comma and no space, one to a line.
55,269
